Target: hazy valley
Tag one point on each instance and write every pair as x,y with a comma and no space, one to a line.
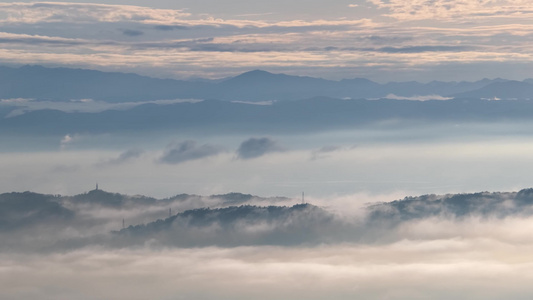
262,150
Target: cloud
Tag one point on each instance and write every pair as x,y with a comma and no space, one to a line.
454,9
418,49
42,12
321,52
124,157
260,103
130,32
22,106
418,98
170,27
199,45
325,151
9,38
163,19
177,153
256,147
68,139
442,269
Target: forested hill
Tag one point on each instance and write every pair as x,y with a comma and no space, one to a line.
37,222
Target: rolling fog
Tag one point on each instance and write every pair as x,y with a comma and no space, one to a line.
471,246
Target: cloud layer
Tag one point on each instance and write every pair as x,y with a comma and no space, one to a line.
382,36
440,269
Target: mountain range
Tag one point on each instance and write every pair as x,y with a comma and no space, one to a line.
65,84
309,115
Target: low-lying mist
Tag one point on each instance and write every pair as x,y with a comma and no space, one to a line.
35,222
238,246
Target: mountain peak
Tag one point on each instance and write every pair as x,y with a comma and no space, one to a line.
257,72
255,75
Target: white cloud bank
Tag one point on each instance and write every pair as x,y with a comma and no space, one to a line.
477,268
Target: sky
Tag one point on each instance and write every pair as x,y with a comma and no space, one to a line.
383,40
342,171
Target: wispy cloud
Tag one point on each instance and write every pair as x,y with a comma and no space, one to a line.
256,147
37,12
22,106
180,152
454,9
164,19
68,140
132,33
123,157
418,49
326,151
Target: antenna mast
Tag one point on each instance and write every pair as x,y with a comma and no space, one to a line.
303,198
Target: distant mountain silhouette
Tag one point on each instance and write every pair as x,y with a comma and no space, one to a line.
310,115
65,84
262,85
506,90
